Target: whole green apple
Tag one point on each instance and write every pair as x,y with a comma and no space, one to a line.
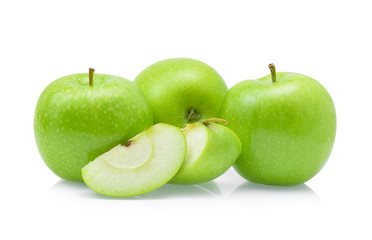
286,123
182,90
78,118
211,150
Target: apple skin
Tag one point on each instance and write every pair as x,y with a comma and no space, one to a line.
74,123
174,87
219,151
287,128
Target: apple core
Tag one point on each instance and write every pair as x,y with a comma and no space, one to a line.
130,156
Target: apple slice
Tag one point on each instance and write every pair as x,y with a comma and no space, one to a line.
145,163
211,150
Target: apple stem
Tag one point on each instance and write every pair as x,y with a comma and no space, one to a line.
214,120
273,72
91,72
192,115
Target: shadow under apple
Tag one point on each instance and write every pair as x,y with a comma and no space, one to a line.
272,195
209,189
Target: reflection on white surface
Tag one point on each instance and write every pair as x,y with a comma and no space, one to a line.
241,191
68,187
209,189
272,195
79,189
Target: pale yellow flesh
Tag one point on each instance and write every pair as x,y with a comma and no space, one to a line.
196,138
136,154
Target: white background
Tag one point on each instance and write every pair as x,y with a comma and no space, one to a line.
330,41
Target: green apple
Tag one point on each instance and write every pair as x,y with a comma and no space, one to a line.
182,90
211,150
287,125
77,120
146,162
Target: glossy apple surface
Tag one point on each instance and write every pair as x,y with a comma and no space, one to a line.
75,122
211,150
182,90
287,128
145,163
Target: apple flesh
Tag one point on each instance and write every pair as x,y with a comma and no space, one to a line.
146,162
78,119
287,125
182,91
211,150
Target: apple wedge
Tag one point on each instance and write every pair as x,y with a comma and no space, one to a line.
211,150
143,164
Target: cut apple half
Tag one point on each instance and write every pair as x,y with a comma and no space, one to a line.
143,164
211,150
